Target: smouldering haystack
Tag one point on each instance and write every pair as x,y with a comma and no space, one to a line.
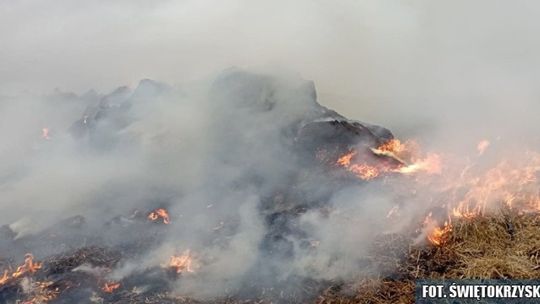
274,198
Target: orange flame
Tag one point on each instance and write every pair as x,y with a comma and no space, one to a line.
431,164
364,172
29,266
159,213
514,186
4,278
110,287
345,160
182,263
435,233
394,145
468,190
474,191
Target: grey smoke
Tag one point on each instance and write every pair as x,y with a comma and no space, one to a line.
448,73
408,65
234,160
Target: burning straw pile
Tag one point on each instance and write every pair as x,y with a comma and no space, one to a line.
271,212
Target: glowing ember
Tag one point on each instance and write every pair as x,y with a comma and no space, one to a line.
364,172
511,185
159,213
182,263
45,133
482,146
345,160
110,287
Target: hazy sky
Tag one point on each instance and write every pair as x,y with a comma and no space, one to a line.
382,61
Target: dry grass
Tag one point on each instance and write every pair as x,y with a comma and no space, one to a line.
505,245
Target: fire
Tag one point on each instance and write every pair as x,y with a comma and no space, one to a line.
182,263
403,154
28,267
110,287
472,192
392,148
345,160
482,146
512,185
159,213
435,233
45,133
4,278
394,145
431,165
465,188
364,172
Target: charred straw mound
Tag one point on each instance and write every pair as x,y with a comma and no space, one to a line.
502,246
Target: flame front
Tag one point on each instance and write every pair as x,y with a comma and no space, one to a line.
512,185
159,213
28,267
466,189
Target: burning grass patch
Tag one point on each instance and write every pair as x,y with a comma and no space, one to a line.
502,246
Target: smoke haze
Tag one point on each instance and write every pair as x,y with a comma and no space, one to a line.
400,64
220,147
